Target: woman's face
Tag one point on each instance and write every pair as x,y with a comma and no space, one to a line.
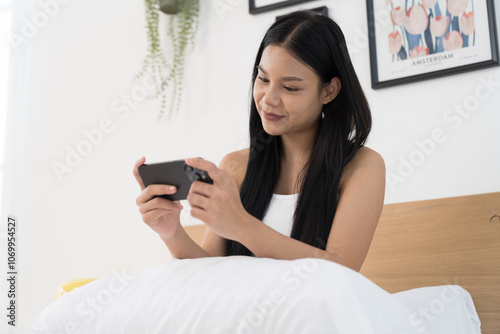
289,89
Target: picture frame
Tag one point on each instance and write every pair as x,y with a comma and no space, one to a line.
256,6
323,10
414,40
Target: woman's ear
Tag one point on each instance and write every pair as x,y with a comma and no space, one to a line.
331,90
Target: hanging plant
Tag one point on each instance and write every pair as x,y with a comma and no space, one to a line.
181,30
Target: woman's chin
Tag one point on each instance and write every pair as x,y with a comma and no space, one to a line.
271,130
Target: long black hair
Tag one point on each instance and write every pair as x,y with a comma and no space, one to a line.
318,42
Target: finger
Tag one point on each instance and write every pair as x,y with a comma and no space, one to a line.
159,203
205,165
202,188
197,201
154,190
136,171
198,214
154,214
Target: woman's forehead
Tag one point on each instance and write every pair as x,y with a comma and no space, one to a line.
278,61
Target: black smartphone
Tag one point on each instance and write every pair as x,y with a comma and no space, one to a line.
175,173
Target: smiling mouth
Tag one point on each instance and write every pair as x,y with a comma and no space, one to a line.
271,117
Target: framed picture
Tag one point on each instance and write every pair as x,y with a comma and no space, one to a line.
260,6
413,40
323,10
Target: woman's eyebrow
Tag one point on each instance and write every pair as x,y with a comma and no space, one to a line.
283,78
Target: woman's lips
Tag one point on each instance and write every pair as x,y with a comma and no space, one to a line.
271,117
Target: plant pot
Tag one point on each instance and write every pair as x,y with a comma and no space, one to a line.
169,6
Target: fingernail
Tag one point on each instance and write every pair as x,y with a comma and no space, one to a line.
171,188
179,206
188,160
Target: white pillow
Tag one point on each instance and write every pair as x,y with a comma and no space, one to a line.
445,308
230,295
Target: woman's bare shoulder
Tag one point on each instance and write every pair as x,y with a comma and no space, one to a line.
235,164
367,162
366,155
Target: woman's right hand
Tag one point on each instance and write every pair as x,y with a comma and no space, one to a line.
162,215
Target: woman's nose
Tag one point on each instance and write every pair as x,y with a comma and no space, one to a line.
271,97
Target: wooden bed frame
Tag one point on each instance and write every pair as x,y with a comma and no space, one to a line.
437,242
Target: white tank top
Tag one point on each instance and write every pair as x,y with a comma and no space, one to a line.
279,215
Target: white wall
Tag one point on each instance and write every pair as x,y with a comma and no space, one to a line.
88,225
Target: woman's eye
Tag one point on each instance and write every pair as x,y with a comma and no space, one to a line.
290,89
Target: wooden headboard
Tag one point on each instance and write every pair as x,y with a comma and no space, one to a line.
437,242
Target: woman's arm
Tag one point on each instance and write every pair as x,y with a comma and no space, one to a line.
181,246
360,204
361,198
213,244
234,164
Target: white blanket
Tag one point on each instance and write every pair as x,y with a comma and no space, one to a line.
253,295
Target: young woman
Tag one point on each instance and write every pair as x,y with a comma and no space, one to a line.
307,186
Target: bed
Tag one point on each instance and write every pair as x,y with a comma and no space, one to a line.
440,244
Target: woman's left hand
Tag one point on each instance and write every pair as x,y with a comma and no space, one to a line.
218,204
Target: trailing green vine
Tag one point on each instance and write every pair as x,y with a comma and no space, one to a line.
181,32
